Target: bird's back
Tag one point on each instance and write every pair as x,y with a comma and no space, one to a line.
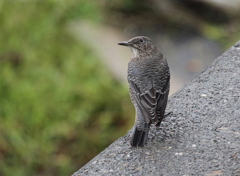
149,72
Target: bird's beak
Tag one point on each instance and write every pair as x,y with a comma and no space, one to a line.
124,43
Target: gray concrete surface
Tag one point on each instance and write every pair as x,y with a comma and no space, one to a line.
201,136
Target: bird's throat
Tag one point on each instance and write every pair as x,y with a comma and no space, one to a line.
135,52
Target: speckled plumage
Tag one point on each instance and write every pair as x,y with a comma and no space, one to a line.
148,77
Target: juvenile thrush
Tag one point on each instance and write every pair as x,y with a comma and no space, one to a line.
148,78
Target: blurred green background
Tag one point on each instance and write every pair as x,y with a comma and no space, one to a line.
59,104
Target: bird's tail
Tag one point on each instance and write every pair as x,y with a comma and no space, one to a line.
140,135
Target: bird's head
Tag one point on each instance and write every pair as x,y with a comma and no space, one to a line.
140,46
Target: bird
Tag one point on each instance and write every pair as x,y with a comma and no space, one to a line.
148,76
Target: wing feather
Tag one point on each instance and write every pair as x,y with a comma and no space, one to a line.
149,86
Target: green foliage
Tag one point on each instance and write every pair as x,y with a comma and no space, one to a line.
58,105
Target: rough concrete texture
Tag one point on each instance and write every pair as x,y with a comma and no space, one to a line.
201,136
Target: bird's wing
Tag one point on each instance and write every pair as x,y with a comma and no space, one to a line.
162,98
146,102
151,103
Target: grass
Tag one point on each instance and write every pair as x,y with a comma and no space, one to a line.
58,105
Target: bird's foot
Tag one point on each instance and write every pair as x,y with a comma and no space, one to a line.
160,120
168,114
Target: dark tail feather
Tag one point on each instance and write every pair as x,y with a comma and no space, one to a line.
140,136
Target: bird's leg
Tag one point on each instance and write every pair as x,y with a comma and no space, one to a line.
168,114
160,120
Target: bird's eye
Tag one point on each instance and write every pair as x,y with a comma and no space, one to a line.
141,40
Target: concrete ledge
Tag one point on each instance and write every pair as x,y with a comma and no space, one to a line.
200,137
